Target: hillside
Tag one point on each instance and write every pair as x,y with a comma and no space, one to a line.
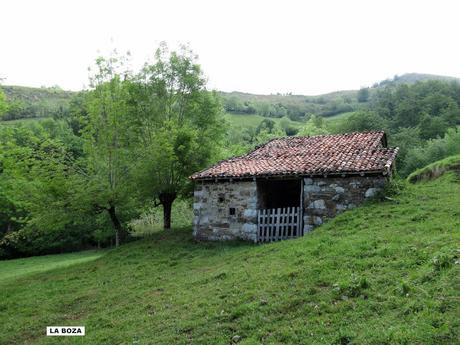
293,106
411,78
30,102
436,169
385,273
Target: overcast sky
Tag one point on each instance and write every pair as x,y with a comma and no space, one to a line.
304,47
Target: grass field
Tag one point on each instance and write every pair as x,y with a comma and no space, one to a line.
14,269
385,273
341,116
252,120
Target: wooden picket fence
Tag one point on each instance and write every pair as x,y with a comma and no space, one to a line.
279,224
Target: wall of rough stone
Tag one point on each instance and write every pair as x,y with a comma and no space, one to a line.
326,197
211,207
323,198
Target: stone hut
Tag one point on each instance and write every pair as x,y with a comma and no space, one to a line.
286,187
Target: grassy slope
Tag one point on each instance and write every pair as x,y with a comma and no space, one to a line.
385,273
436,169
14,269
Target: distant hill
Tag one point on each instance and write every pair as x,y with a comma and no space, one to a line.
31,102
293,106
28,102
296,107
411,78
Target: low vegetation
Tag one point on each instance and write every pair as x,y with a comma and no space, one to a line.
386,273
436,169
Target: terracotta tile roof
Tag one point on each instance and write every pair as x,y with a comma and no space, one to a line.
318,155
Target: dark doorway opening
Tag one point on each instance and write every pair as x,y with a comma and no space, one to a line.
278,193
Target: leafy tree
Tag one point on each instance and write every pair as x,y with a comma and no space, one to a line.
363,95
362,121
431,151
451,114
432,127
78,112
287,126
314,126
38,186
179,124
3,103
406,139
109,184
266,125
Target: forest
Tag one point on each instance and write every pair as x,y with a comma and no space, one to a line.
95,168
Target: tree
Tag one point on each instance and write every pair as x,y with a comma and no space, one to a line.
405,139
3,103
363,95
39,212
432,127
108,170
179,124
266,125
362,121
314,126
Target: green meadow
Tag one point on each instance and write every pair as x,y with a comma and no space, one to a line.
384,273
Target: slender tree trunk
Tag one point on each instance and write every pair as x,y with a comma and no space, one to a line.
120,233
167,199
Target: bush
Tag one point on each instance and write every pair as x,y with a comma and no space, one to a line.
432,151
31,241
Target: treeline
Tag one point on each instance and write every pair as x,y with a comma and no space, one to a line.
128,144
295,107
28,102
421,119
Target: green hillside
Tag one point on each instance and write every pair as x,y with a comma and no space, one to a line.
436,169
30,102
411,78
296,107
385,273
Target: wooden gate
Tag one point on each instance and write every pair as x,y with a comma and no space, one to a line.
279,224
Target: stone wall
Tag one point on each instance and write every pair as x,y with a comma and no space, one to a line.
228,210
325,197
212,207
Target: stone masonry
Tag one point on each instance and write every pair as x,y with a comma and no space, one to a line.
228,210
214,204
325,197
